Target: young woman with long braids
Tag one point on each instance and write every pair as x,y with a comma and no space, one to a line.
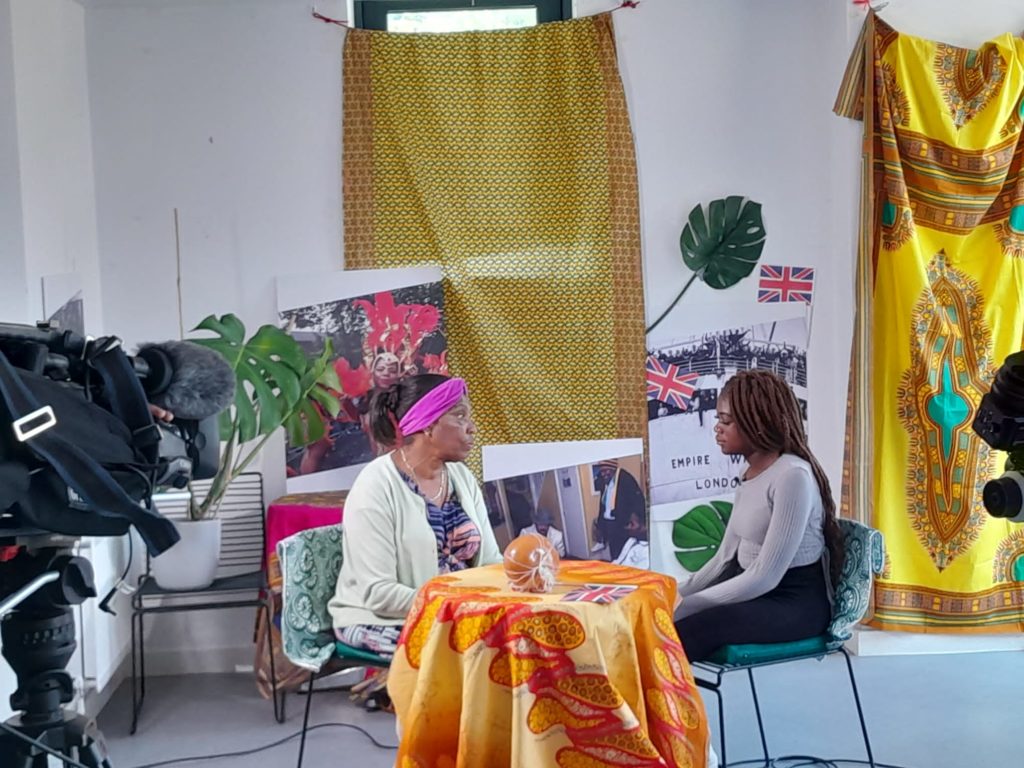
770,580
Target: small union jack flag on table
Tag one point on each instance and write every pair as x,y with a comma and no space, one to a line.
598,593
785,284
669,384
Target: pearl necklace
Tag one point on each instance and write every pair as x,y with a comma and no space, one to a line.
442,490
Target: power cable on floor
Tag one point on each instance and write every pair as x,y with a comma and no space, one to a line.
807,761
787,761
279,742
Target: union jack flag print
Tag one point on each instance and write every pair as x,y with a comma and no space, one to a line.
598,593
785,284
667,383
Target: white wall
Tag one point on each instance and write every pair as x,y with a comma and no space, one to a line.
230,111
47,198
55,148
734,97
12,250
13,292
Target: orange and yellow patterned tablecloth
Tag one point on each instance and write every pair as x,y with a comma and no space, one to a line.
487,677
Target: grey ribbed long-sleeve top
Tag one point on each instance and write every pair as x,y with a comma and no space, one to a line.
776,524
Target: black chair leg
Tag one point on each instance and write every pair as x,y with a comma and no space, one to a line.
760,722
305,719
139,676
715,688
860,711
721,722
135,694
278,703
142,657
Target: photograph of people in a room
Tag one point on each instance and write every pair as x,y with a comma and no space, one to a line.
595,511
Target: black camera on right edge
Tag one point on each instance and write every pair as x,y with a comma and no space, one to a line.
1000,423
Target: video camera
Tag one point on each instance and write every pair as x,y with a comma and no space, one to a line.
1000,423
81,455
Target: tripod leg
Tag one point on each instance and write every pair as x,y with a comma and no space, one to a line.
91,757
16,752
85,739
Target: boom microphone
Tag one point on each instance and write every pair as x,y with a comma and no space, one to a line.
189,380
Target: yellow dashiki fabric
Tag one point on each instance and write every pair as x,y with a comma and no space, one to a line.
487,677
941,304
507,159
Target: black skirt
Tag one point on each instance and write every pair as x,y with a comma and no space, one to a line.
797,609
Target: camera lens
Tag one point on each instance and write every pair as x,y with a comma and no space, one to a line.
1008,386
1004,496
1000,417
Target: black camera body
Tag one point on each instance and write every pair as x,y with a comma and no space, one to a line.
82,455
80,451
1000,423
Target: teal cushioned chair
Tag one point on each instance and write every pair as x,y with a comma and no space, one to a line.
864,558
310,563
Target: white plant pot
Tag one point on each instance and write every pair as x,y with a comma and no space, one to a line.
192,562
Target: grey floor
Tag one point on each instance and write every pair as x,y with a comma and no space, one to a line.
923,712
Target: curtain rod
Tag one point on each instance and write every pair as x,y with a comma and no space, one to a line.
344,22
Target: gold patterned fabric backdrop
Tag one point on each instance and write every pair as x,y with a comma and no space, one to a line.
941,304
507,159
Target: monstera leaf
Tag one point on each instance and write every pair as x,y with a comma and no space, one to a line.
277,384
268,367
698,534
722,247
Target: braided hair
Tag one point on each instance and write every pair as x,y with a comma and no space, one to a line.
767,413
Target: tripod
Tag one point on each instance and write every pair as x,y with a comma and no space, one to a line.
38,637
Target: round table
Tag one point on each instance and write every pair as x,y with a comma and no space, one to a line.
488,677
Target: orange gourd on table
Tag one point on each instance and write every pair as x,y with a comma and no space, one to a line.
531,563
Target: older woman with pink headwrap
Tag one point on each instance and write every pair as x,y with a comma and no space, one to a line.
413,513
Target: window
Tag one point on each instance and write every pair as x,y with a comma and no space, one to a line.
457,15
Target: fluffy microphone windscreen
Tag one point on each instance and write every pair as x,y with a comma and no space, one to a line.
202,382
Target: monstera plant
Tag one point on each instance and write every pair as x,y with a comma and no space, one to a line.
698,534
722,246
277,384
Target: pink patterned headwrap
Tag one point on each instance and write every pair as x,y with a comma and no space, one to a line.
432,406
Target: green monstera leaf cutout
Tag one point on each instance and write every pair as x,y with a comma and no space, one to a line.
723,247
698,534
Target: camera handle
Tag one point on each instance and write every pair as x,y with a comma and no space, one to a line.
12,602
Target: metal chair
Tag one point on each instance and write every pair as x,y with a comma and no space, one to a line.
864,558
241,580
310,562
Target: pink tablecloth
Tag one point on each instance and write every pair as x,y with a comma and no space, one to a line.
286,516
299,512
